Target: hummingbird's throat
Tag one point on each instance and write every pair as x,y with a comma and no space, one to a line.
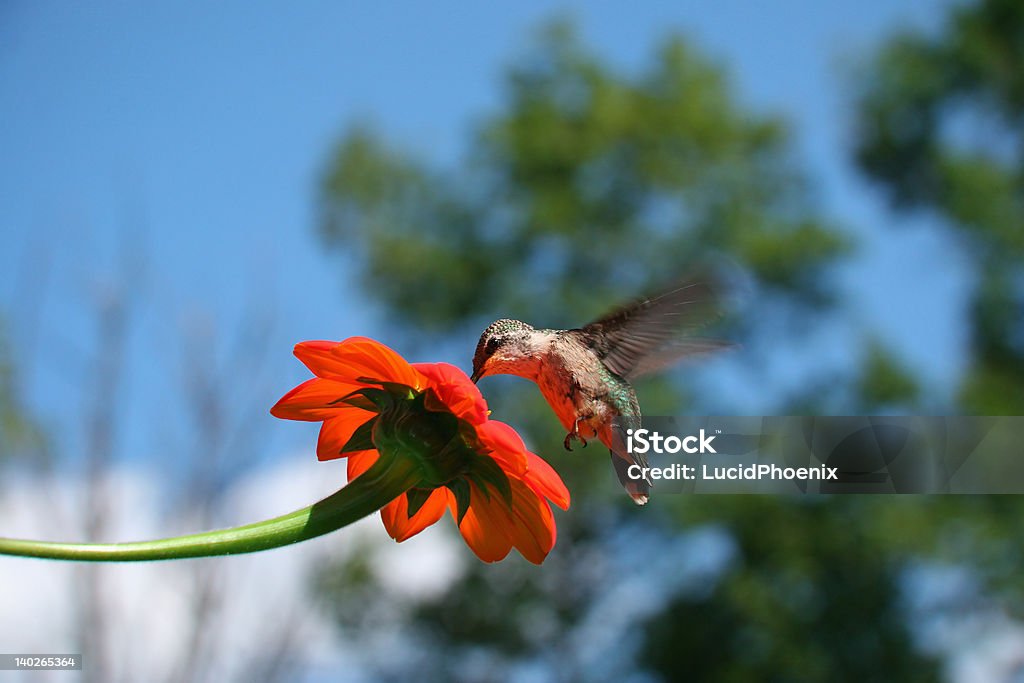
525,367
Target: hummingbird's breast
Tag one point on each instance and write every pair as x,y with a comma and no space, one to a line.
558,388
577,385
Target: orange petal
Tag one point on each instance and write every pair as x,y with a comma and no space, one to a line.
316,355
452,391
313,400
533,531
337,430
543,479
360,461
357,358
505,446
400,526
486,525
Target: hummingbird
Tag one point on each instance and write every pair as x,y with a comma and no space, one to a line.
586,373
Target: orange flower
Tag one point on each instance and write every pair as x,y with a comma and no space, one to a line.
372,401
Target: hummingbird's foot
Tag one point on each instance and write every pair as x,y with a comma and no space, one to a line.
574,434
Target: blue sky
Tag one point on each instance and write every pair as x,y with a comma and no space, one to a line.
200,129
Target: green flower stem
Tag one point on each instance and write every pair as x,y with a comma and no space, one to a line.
389,478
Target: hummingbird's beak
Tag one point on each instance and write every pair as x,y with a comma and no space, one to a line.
477,374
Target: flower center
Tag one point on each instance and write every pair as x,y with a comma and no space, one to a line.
429,437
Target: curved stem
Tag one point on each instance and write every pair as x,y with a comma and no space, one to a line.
389,478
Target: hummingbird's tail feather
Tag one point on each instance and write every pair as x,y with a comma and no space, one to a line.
630,468
639,489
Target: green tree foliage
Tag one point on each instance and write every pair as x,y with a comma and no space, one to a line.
942,129
590,185
884,382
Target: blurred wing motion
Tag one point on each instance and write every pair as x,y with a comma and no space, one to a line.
648,335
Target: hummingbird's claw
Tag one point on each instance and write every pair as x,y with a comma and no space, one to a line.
574,434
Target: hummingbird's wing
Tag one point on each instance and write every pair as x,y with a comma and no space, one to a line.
675,350
646,335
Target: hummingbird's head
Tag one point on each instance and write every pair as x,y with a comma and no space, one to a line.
505,347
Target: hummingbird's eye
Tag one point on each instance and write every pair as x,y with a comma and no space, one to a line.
492,344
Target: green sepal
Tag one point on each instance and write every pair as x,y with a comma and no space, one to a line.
460,489
367,399
357,402
486,473
416,498
361,439
397,389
